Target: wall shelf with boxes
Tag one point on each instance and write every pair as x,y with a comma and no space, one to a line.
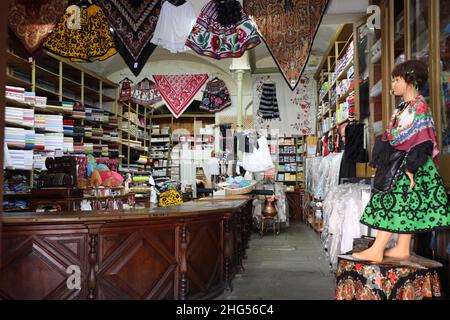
290,161
180,138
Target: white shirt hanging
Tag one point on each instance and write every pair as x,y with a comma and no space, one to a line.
174,26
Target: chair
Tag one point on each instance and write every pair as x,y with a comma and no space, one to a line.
275,224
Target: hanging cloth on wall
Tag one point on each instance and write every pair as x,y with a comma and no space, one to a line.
288,28
134,23
179,90
268,107
210,38
91,40
146,93
32,20
125,89
216,96
174,25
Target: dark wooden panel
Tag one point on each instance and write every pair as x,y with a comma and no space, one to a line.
205,258
139,263
35,263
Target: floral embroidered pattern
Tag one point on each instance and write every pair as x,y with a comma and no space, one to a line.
211,39
32,20
357,281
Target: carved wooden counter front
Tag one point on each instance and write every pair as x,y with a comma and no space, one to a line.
191,251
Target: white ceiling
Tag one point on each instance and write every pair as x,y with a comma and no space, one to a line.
338,12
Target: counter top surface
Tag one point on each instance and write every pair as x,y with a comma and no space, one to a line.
191,208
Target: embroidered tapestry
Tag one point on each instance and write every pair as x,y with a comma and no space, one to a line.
288,28
134,23
32,20
297,109
179,90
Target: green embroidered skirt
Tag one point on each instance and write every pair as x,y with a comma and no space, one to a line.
424,208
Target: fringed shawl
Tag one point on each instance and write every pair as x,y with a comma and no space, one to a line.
412,126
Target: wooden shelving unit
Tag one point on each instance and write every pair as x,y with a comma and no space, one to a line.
60,80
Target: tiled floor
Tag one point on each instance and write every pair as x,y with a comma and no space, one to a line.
292,266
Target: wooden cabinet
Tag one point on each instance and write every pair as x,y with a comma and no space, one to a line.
181,254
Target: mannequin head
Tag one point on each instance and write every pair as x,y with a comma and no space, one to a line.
408,78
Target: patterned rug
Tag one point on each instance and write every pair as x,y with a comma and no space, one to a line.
134,22
32,20
179,90
288,28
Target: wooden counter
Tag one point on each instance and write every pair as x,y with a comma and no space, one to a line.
191,251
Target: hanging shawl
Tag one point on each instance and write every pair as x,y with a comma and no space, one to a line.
179,90
288,28
134,22
411,125
32,20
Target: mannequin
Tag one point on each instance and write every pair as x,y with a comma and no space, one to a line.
408,206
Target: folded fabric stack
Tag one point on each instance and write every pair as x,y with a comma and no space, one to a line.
88,113
22,159
30,139
78,148
105,118
67,106
114,136
54,141
14,114
105,150
89,148
40,141
15,93
113,121
78,131
106,135
97,133
15,137
20,116
79,111
30,98
68,144
39,121
40,101
68,127
88,132
97,115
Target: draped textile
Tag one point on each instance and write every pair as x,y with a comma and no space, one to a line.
288,28
134,23
32,20
91,40
297,109
179,90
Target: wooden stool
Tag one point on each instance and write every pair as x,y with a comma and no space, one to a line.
275,223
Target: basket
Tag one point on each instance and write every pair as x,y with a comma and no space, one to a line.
237,191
